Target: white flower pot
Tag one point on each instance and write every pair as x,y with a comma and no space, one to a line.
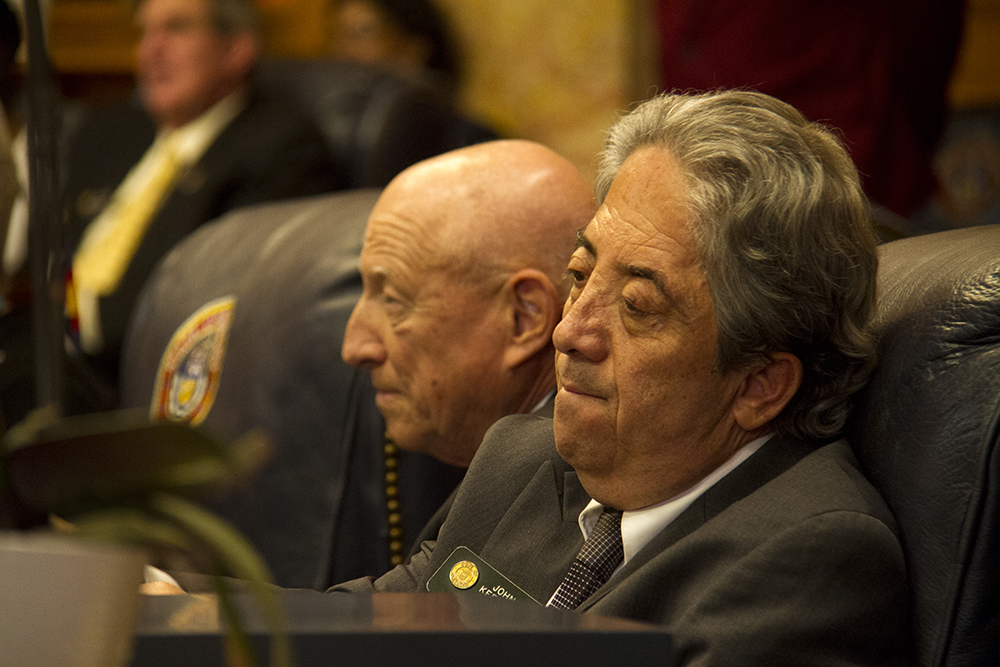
66,601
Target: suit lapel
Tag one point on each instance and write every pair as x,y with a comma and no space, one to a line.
776,456
553,498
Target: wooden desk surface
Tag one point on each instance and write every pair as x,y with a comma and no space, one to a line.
403,629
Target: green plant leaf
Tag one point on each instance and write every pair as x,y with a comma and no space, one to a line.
235,555
137,526
82,463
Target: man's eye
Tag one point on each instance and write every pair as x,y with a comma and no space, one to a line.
394,307
578,277
638,308
632,309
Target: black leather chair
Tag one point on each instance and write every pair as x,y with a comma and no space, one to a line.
318,511
926,430
375,121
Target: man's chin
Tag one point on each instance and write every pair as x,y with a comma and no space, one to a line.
569,437
579,432
578,412
166,106
401,432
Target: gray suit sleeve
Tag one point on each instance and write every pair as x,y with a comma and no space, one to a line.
805,596
403,578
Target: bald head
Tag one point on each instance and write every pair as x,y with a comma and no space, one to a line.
462,268
502,205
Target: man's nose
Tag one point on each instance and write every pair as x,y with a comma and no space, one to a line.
150,46
582,329
362,344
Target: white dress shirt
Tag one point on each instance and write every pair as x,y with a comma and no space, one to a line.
641,526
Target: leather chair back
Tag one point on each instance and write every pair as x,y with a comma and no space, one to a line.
376,122
926,431
240,327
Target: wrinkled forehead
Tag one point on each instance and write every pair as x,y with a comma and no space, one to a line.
649,201
436,218
401,244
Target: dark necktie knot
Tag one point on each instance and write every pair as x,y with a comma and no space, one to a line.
594,565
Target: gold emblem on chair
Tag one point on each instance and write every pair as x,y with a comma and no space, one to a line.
191,367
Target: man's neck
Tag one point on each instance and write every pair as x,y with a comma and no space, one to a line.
176,122
539,391
191,140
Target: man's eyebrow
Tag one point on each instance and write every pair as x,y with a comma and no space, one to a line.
374,276
659,280
646,273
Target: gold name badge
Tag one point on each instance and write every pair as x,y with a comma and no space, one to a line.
464,574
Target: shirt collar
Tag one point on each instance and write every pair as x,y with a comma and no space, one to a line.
545,399
641,526
191,140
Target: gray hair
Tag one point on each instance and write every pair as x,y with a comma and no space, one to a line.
229,17
784,233
232,17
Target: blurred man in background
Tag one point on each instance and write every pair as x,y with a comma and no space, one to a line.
140,179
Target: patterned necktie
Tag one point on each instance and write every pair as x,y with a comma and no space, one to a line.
600,555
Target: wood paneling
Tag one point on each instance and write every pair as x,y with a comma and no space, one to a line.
976,80
557,71
98,36
91,36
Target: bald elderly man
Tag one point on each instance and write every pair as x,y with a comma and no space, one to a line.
463,269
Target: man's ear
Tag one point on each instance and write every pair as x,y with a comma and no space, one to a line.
766,390
534,310
243,51
416,51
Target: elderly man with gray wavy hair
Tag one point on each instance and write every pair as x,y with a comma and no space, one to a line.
692,474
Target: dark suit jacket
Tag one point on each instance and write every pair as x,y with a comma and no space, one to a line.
792,558
433,525
269,151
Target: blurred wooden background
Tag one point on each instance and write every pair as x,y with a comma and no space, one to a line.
558,71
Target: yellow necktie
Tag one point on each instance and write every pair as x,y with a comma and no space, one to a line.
111,240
